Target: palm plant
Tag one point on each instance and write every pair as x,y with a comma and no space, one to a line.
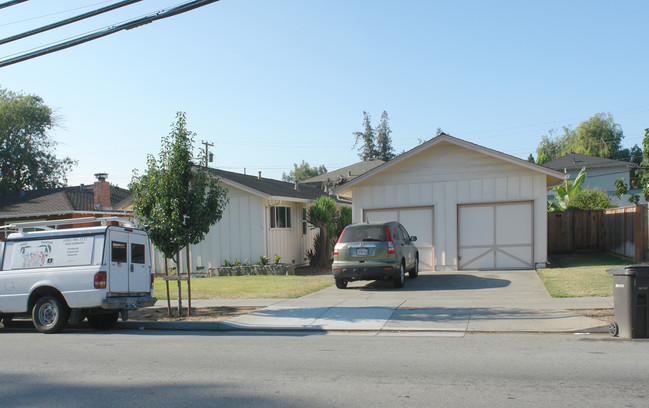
566,192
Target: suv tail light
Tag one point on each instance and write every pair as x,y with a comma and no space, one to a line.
337,247
100,280
391,248
152,280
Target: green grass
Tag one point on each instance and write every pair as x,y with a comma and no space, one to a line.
580,275
245,287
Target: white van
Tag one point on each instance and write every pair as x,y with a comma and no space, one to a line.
65,275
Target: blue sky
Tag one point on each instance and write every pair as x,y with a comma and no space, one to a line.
272,83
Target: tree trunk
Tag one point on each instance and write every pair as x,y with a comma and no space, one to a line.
323,256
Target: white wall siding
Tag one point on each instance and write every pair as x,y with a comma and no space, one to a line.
445,176
289,243
238,235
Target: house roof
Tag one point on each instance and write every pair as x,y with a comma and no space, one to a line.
554,177
348,173
62,200
575,161
269,188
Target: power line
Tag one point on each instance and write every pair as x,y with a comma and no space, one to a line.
68,21
126,26
11,3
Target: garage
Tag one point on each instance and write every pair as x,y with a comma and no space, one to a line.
470,207
496,236
417,221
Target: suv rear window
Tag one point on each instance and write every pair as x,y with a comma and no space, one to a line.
365,233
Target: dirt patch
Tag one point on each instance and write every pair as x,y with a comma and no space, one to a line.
606,315
215,314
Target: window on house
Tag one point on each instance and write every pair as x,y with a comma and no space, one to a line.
304,223
280,217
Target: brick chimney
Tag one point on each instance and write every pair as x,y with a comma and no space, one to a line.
102,192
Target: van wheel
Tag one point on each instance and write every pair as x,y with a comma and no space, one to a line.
415,270
103,321
401,279
341,283
50,314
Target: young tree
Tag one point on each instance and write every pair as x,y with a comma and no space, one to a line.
366,138
302,172
176,199
27,161
590,199
384,148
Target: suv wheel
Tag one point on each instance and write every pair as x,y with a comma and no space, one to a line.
415,270
401,279
341,283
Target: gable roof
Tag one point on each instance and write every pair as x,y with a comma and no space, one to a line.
554,177
270,189
348,173
576,161
62,200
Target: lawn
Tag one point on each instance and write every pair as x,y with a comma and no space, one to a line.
245,287
580,275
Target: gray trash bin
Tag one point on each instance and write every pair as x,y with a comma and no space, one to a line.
631,290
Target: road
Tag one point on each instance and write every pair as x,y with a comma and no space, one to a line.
173,369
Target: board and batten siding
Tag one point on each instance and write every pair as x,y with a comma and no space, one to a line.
445,176
289,243
240,234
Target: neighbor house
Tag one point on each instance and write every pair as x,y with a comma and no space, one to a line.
264,217
469,206
600,173
100,199
335,178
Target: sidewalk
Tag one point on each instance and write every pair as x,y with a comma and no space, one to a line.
453,303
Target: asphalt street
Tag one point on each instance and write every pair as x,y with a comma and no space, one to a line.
81,368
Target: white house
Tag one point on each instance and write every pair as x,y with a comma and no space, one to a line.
264,217
469,206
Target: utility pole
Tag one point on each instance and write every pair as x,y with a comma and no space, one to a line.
207,152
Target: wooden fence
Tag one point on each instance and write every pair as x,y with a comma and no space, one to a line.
621,231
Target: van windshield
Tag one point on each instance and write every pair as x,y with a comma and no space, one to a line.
364,233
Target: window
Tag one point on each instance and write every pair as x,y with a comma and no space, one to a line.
137,253
304,222
118,253
280,217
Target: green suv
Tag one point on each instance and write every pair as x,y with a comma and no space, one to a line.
372,251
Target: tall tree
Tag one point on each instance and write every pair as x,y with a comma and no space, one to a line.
27,161
176,199
598,136
302,172
366,138
384,148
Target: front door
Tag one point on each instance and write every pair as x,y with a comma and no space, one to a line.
129,266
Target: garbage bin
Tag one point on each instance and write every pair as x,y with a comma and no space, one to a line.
630,291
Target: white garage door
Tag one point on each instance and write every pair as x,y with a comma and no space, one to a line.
496,236
418,222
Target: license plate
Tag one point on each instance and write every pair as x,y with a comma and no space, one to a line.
362,252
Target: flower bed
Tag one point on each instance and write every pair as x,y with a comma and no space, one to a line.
242,270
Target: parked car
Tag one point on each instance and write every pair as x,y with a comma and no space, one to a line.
62,275
375,251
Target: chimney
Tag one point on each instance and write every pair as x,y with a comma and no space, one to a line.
102,192
296,186
259,176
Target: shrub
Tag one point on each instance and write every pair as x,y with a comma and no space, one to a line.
590,199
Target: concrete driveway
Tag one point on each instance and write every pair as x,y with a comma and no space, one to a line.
451,302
